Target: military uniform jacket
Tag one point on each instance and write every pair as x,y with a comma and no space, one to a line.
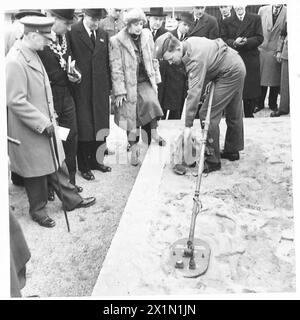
203,62
207,26
250,28
29,112
92,93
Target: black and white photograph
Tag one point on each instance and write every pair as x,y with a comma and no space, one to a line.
149,151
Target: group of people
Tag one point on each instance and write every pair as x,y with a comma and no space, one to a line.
71,74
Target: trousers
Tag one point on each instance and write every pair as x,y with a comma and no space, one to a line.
37,192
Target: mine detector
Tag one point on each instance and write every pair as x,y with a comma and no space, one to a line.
191,256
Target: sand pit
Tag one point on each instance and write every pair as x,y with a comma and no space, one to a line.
247,221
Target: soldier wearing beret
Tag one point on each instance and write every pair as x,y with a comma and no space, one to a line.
90,50
31,119
210,60
56,59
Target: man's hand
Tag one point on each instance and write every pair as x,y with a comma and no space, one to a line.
49,131
240,41
119,100
278,57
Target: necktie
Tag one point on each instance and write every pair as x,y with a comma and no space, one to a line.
181,37
153,33
93,38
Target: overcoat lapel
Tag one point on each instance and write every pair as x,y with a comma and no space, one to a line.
279,19
83,35
243,25
200,26
126,42
31,59
100,42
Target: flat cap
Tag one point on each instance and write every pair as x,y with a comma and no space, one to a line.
36,24
161,44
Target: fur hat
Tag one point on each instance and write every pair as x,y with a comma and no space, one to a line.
134,15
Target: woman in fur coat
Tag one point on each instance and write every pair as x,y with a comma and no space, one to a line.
135,75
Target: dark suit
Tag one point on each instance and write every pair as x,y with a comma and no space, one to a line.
158,33
63,103
91,94
250,28
162,64
207,26
174,88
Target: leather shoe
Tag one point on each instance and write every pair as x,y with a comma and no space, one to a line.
179,169
46,222
276,113
88,175
210,167
101,167
86,202
78,188
232,156
51,195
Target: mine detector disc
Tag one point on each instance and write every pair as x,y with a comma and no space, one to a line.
181,262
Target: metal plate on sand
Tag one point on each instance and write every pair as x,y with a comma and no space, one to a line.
181,263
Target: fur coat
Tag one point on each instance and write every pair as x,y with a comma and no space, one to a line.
124,68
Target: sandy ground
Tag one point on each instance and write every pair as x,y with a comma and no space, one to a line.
247,220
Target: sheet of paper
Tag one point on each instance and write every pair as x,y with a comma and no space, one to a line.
63,132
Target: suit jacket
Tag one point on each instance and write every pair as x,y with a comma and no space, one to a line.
91,95
159,32
29,111
173,85
270,68
207,27
250,28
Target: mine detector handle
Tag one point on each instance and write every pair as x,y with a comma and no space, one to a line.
197,203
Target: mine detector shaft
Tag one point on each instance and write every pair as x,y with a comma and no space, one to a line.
191,256
189,251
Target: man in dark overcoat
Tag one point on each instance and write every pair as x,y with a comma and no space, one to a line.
243,32
175,80
204,25
156,17
90,50
225,12
55,57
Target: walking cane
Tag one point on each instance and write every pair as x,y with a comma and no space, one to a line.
58,182
191,256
